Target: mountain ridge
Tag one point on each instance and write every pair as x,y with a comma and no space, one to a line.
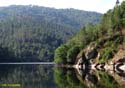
33,32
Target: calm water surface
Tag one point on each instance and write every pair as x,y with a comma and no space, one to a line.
46,75
28,75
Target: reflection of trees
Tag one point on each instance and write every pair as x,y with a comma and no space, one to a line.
67,78
119,77
87,77
105,80
29,76
6,69
99,79
84,79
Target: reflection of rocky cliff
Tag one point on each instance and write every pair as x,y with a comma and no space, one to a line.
101,79
86,68
119,77
91,74
101,56
116,64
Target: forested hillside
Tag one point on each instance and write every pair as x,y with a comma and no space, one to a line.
105,38
31,33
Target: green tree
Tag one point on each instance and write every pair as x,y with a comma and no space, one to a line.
60,54
72,54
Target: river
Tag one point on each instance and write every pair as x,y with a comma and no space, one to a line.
47,75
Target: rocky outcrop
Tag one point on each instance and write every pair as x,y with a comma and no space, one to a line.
119,56
91,52
115,67
116,64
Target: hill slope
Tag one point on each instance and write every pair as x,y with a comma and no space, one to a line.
32,32
99,42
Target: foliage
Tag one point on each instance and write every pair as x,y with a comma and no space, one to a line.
107,81
66,79
33,32
60,54
107,34
70,79
72,54
108,52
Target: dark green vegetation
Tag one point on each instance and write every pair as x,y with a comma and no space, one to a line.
32,33
68,78
28,76
108,35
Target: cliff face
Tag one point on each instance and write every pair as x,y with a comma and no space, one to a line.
119,57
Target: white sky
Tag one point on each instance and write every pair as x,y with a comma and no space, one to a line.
89,5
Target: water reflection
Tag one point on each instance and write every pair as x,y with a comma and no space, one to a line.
28,76
81,78
42,76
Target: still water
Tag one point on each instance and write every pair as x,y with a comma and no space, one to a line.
29,75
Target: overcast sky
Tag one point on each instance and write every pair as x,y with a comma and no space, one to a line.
89,5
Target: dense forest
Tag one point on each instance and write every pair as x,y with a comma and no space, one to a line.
32,33
107,38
